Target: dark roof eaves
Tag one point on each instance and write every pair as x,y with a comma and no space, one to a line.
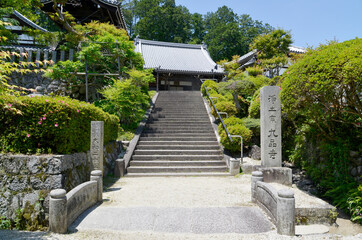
28,21
189,72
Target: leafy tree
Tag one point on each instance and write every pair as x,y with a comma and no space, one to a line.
128,99
228,34
223,33
105,46
272,50
162,20
197,28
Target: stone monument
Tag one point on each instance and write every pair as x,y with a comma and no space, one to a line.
96,145
270,127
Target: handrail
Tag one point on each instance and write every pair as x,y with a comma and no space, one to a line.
241,147
213,104
227,115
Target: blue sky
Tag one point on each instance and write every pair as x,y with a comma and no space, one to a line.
311,21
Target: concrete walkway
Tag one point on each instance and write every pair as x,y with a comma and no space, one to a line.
174,208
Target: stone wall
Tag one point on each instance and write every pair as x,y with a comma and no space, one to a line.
46,86
26,180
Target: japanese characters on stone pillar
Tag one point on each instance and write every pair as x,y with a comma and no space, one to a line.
96,145
270,127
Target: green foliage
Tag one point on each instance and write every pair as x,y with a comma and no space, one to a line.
253,124
228,34
161,20
254,109
235,127
105,45
224,106
273,44
209,84
355,204
254,71
50,125
272,49
324,88
4,223
128,99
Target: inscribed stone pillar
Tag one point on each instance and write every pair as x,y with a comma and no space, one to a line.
96,148
270,127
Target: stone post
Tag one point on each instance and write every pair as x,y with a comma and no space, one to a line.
58,211
234,166
96,175
96,147
286,212
270,127
255,177
119,168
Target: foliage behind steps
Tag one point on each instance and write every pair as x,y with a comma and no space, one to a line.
50,125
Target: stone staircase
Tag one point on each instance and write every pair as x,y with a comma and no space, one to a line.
178,140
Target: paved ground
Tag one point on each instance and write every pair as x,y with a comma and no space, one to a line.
177,208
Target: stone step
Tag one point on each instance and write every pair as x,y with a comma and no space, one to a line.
178,124
167,115
215,146
177,157
176,152
166,134
178,131
177,163
181,119
177,143
178,174
153,127
179,138
189,169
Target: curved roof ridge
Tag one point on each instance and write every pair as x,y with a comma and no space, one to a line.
170,44
28,21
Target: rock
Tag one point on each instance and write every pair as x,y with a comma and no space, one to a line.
32,198
19,183
354,172
36,183
255,152
353,154
33,165
54,166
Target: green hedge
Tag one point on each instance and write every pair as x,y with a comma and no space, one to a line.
235,127
209,84
51,125
224,106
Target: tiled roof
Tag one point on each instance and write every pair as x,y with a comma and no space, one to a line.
295,49
177,57
28,22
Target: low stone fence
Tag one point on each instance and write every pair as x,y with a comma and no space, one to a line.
279,205
26,180
65,208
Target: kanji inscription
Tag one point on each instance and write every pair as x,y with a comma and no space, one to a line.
270,126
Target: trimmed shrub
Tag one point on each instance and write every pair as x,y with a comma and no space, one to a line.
51,125
209,84
225,106
254,109
254,71
125,100
253,124
235,127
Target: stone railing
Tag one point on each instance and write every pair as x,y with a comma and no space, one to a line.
64,207
279,205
